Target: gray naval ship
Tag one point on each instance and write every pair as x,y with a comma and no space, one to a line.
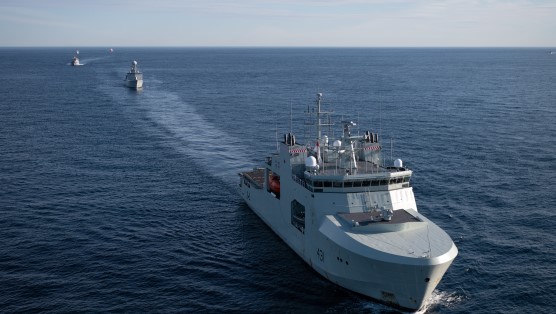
134,78
351,217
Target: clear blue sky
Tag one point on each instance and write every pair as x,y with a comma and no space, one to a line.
361,23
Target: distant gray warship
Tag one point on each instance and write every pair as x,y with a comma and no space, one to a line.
75,59
134,78
350,217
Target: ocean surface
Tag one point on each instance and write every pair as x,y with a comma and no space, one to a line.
116,200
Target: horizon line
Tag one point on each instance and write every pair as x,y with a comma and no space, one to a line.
279,46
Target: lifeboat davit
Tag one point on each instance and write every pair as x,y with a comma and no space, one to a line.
275,185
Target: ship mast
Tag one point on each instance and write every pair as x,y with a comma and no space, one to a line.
319,97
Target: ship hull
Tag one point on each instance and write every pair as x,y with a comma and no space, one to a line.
398,281
134,83
405,285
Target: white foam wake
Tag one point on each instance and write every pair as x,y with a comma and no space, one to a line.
206,145
437,299
90,60
182,126
443,299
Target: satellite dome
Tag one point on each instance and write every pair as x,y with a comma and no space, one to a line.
398,163
134,62
310,162
337,143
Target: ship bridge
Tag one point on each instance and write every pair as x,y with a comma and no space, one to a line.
368,178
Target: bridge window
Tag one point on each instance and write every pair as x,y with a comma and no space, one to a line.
396,180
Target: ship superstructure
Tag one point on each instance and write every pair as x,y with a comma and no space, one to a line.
350,216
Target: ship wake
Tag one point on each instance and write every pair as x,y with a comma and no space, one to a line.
91,60
439,300
184,129
201,141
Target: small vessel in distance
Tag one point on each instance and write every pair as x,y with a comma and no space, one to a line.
134,78
350,216
75,60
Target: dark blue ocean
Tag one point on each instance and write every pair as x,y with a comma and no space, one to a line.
115,200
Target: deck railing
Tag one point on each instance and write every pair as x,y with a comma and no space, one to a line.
300,182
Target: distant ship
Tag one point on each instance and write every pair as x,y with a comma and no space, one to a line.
134,78
75,60
350,216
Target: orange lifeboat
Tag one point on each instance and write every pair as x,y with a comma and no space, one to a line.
274,184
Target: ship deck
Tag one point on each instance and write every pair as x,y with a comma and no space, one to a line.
366,218
256,176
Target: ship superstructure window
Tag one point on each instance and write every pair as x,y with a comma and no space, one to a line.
298,215
379,182
396,180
